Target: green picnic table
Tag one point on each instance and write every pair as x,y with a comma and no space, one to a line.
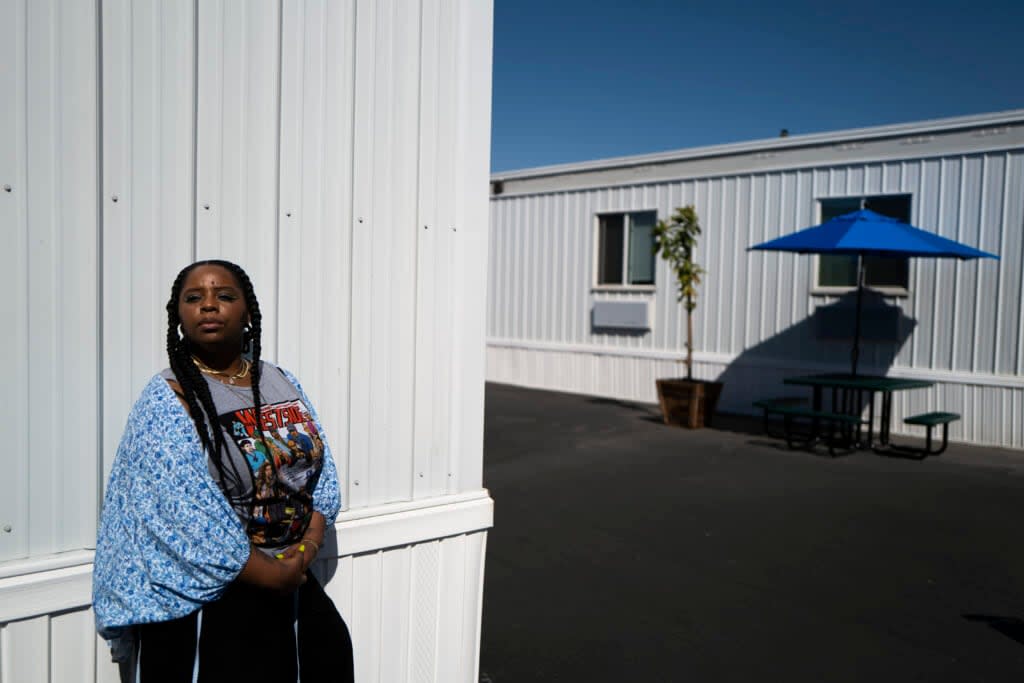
848,394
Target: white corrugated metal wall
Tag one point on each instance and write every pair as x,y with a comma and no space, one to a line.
337,149
969,320
49,209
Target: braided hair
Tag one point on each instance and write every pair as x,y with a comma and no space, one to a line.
195,391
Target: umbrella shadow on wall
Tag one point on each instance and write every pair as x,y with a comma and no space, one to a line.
822,342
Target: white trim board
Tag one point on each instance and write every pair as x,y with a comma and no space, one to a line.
35,587
723,359
409,523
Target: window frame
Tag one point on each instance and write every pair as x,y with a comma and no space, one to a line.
818,289
624,286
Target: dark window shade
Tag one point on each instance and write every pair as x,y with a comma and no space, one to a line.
609,270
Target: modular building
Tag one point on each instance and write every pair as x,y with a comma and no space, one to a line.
337,150
577,301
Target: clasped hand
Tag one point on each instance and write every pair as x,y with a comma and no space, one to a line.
294,562
283,573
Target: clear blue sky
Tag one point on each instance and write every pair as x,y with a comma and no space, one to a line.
589,79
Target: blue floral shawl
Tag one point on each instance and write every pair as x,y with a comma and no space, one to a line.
169,542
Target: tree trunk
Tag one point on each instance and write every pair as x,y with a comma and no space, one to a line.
689,340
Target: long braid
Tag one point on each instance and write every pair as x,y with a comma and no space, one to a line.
189,378
194,387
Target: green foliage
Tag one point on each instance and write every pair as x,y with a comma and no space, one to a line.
675,240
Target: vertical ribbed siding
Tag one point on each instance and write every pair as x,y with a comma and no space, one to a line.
433,233
1010,321
148,101
238,44
30,640
59,648
48,208
14,274
472,126
414,610
964,320
348,237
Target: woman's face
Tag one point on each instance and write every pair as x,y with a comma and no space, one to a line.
212,308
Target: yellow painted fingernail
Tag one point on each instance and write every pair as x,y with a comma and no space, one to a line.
279,556
302,548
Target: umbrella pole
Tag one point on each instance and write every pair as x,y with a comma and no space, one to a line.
855,356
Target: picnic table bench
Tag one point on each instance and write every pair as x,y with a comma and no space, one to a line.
929,421
835,429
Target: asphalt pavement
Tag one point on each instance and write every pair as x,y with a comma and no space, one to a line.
626,550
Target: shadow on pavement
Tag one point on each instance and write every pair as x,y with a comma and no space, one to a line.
1011,627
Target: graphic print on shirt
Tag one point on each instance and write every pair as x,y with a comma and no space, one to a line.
285,466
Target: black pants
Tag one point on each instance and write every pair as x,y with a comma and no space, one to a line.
250,635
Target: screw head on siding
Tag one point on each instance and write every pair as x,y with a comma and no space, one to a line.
114,198
288,214
7,528
426,227
360,219
7,188
421,475
356,482
206,207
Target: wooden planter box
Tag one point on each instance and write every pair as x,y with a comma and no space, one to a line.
688,403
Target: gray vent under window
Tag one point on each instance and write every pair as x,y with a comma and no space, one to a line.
620,315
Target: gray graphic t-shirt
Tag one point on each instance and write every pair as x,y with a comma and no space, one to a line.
268,478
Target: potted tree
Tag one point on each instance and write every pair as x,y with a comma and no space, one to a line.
684,401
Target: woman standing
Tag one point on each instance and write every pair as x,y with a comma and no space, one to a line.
202,560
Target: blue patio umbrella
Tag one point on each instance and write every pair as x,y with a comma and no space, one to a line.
866,233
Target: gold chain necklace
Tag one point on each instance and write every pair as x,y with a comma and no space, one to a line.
206,369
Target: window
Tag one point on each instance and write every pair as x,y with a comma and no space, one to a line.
880,272
625,248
